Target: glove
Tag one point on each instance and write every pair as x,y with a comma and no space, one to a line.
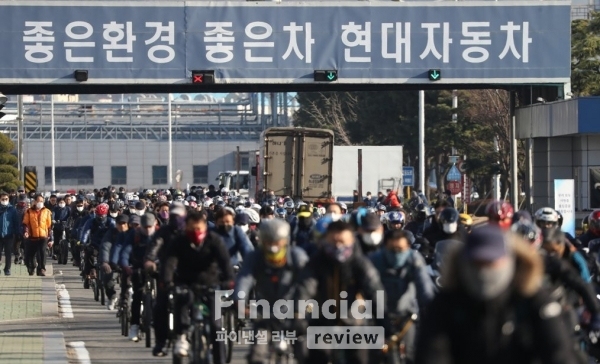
128,271
150,266
106,268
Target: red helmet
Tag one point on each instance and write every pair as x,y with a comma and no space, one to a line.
501,213
594,222
102,209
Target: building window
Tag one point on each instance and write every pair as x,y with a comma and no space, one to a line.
159,175
70,176
118,175
200,174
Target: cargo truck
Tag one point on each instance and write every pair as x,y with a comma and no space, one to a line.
295,162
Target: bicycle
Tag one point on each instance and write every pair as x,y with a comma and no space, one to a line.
230,324
148,299
124,313
395,349
198,334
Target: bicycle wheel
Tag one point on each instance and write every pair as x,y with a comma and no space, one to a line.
148,318
102,293
94,285
64,252
126,318
199,346
229,327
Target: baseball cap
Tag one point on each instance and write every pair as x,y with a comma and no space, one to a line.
122,219
242,219
140,205
148,220
370,222
135,219
487,243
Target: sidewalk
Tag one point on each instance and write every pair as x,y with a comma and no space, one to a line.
28,305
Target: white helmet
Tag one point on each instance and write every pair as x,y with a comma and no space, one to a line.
224,190
253,216
255,207
546,214
239,209
207,203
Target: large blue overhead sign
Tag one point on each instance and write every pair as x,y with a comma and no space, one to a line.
156,42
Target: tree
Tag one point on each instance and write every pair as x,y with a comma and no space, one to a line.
585,55
9,175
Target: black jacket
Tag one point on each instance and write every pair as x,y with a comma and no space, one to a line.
162,239
206,264
521,326
324,278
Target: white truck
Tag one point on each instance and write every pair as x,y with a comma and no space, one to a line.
381,170
229,180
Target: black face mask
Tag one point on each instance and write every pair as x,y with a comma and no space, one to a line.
225,228
305,223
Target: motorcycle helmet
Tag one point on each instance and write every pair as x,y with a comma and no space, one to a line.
395,220
546,218
501,213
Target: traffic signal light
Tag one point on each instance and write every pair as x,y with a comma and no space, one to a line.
203,77
434,75
326,75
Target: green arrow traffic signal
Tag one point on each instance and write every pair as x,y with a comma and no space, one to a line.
325,75
434,75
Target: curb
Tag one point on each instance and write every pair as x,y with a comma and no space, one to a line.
55,351
49,299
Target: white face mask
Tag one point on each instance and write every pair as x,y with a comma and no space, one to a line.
373,238
61,205
80,209
140,212
39,205
450,228
244,228
4,203
274,249
114,214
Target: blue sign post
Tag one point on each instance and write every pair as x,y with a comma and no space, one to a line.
408,174
134,42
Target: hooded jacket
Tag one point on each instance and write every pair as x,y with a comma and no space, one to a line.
522,325
392,200
10,224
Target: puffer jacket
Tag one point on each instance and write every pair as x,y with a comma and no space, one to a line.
523,325
392,200
9,221
38,223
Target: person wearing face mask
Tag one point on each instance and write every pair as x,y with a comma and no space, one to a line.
267,213
338,267
21,207
419,223
406,281
140,208
447,227
131,261
163,213
157,250
272,271
60,214
253,223
79,215
37,230
491,308
199,257
51,204
10,228
303,232
92,234
110,250
555,243
369,233
237,243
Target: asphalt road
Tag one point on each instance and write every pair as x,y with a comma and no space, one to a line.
99,328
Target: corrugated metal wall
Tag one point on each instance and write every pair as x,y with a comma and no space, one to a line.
548,120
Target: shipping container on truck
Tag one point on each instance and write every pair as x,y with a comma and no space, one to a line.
381,170
296,162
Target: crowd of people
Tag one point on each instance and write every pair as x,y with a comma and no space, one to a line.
513,289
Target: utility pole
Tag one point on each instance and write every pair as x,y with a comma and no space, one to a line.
20,133
422,141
